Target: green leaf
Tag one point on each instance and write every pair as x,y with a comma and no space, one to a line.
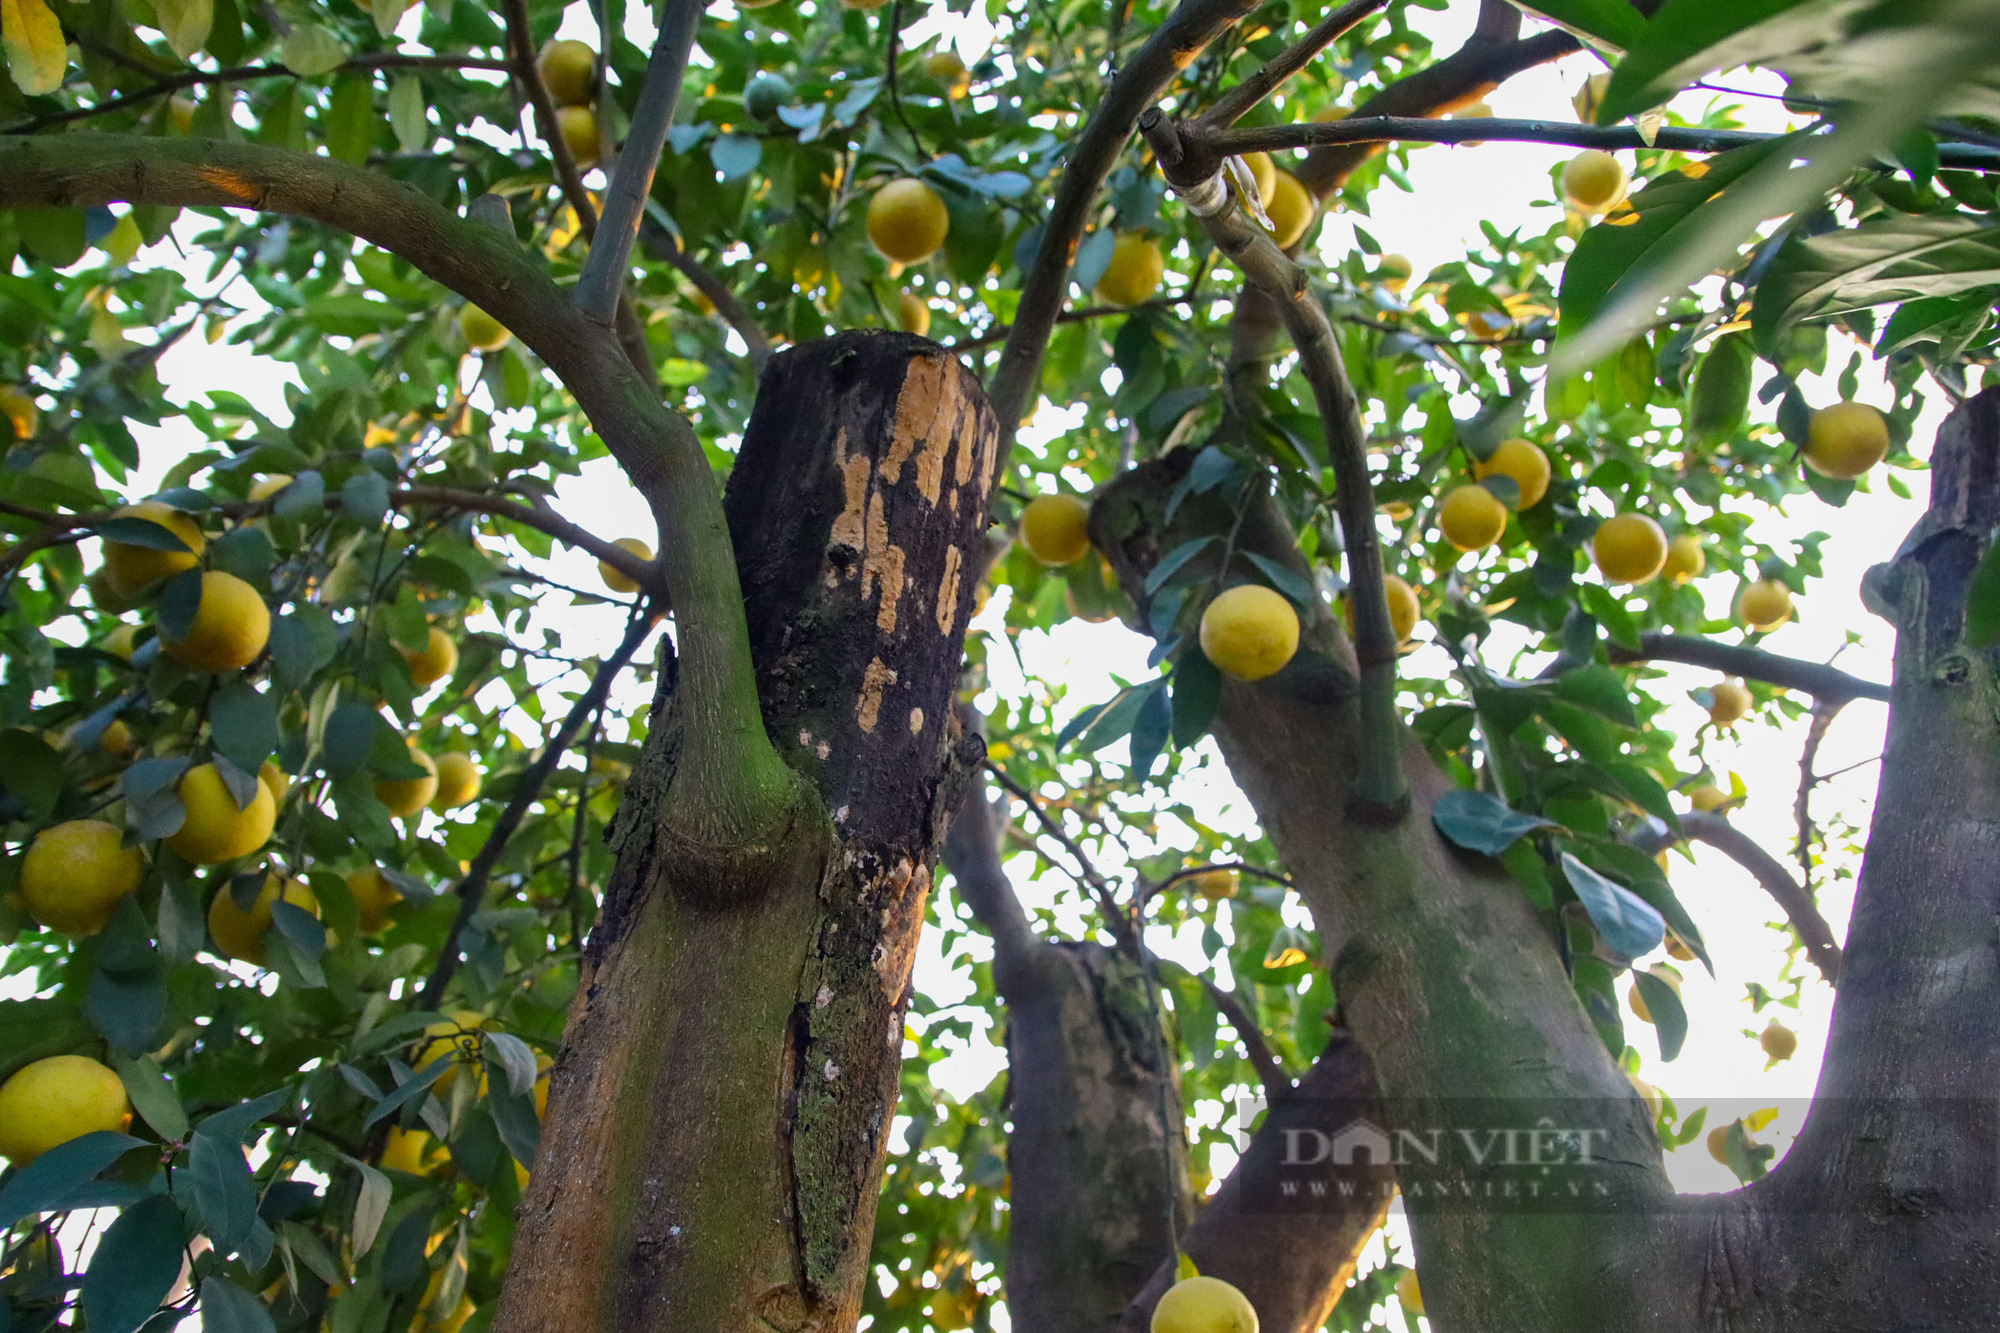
1150,729
153,1097
1601,690
1605,607
304,498
416,1085
1197,688
179,603
234,1124
1171,563
1613,23
225,1199
1627,922
1670,1020
63,1173
1952,322
1900,258
138,1260
227,1308
349,122
1482,822
31,769
1113,722
1688,39
134,531
1288,581
1720,397
735,155
244,724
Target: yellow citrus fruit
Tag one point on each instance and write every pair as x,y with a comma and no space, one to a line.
1708,798
453,1037
1056,528
1685,559
1204,1305
231,626
116,739
568,69
1395,272
1779,1042
1410,1294
276,781
240,934
1594,181
1637,1003
17,405
1765,604
1472,518
75,875
1265,172
216,828
1215,885
130,567
121,641
406,796
1648,1094
1290,208
1731,703
438,659
1135,271
907,221
1249,631
1525,464
457,781
482,332
374,895
1629,548
1718,1144
614,577
405,1150
949,70
48,1103
913,313
1404,610
265,487
578,125
1847,439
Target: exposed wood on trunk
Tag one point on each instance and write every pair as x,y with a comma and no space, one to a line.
713,1152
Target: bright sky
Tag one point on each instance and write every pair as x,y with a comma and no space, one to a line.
1455,187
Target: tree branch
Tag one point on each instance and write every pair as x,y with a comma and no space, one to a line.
663,244
1827,683
1173,45
972,853
646,573
1233,104
1270,1069
889,78
1796,903
1380,788
530,78
471,889
1115,920
602,283
1823,714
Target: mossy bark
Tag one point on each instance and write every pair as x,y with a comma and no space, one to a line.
717,1121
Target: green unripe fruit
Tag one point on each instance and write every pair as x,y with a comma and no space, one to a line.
766,93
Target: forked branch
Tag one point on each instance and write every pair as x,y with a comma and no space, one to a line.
1771,875
1826,683
1234,104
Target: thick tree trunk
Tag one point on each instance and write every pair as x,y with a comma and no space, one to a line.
714,1144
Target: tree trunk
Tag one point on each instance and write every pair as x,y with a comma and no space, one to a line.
717,1120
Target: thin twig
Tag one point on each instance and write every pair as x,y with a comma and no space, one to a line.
1822,718
663,244
1148,893
1120,924
471,889
1235,103
889,80
1270,1069
1827,683
1770,873
530,78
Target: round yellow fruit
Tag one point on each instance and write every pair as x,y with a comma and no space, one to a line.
1525,464
1594,181
1135,272
1718,1141
949,70
456,1037
1265,172
482,332
1290,207
913,313
1472,518
216,828
615,578
276,781
48,1103
266,487
240,934
17,405
121,641
907,221
1249,632
578,126
1404,610
405,1150
1731,703
569,71
1629,548
374,895
1778,1041
1056,528
231,626
1204,1305
130,568
1395,272
1765,604
1410,1294
458,781
1637,1002
116,739
1708,798
75,875
438,659
406,796
1685,559
1846,440
1213,886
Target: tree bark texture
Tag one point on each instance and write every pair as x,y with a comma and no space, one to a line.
717,1121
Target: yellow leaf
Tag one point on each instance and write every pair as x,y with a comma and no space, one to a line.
1756,1120
36,52
186,24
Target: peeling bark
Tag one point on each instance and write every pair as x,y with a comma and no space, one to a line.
718,1118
